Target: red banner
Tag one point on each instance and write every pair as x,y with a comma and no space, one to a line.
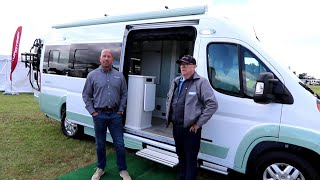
15,50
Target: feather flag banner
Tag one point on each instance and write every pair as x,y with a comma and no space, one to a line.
15,50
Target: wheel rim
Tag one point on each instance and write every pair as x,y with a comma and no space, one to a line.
280,171
71,128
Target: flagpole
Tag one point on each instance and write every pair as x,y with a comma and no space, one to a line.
11,89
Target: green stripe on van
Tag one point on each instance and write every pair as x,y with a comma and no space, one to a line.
300,137
80,118
253,137
51,104
244,159
206,147
213,150
288,134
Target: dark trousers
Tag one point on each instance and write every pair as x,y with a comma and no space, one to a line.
187,148
113,122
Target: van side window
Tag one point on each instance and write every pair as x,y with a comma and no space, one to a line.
58,62
223,68
79,64
251,70
77,60
54,56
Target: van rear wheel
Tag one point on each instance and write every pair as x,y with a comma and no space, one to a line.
283,165
70,129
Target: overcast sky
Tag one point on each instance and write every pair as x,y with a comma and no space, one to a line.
287,28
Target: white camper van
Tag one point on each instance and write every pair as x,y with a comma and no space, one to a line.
267,124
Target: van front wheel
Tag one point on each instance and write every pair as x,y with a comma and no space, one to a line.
283,165
70,129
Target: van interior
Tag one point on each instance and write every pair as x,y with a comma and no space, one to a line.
153,53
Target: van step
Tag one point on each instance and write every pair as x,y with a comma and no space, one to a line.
159,155
214,167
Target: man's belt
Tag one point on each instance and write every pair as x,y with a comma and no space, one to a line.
108,109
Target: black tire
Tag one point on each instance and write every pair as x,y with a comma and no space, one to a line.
70,129
276,162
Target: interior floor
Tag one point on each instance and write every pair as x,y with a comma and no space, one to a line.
159,127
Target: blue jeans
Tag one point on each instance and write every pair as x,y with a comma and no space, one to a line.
113,122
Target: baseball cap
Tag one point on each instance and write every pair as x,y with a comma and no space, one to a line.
187,59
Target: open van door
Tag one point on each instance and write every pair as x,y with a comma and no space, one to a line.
148,61
151,50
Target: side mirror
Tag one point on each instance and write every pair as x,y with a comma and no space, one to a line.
264,86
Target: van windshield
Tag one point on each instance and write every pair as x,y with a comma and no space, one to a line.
309,89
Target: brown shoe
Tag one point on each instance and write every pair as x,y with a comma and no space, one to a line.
125,175
96,176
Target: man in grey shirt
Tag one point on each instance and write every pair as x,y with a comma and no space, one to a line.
105,95
190,104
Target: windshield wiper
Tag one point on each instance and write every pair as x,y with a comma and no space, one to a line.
309,89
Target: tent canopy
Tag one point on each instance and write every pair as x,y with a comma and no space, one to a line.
20,77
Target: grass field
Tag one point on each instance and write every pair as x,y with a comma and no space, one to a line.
33,147
316,89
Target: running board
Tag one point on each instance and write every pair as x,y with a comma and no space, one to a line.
214,167
159,155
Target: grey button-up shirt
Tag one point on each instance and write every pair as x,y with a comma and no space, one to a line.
105,89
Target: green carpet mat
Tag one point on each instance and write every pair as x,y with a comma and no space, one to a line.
138,168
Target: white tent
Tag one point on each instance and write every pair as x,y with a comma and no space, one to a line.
20,77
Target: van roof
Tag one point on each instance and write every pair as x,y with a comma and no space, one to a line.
187,11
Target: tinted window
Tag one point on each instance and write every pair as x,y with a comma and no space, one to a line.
224,68
56,60
77,60
251,70
230,74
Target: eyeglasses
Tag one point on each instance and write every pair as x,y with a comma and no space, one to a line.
185,65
